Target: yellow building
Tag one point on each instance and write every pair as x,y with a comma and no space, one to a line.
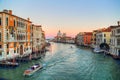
94,38
103,36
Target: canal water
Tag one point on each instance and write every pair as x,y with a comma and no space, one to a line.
64,62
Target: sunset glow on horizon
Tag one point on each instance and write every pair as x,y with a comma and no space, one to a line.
68,16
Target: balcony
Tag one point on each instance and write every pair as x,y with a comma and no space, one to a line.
21,40
117,32
117,46
11,39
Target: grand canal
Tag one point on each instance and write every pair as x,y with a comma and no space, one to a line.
65,63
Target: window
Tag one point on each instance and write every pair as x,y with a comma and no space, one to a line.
14,44
104,40
94,34
17,50
14,51
104,35
0,46
118,30
7,45
0,37
14,36
95,39
17,23
118,41
14,23
6,21
0,21
7,53
119,52
7,36
0,53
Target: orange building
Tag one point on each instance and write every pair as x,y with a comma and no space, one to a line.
87,38
15,35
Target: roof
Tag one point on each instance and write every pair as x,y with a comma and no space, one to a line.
15,16
95,30
105,29
37,25
88,33
112,27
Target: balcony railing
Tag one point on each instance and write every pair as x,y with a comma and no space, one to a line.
117,46
21,41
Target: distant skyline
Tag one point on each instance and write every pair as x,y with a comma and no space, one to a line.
69,16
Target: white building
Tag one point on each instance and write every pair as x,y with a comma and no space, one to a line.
80,38
115,41
37,37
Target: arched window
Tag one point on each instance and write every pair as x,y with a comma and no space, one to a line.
0,37
14,23
6,21
7,36
0,21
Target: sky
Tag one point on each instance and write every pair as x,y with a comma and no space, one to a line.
68,16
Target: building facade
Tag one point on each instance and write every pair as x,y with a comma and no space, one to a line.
15,35
37,36
115,41
79,38
43,43
103,36
84,38
93,40
87,37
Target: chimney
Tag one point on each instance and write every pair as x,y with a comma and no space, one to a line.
5,10
118,23
10,12
28,19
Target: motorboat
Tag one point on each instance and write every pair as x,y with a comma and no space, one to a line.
30,71
97,50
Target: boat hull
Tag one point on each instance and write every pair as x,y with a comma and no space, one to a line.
8,64
32,72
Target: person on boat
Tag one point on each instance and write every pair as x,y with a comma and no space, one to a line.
32,67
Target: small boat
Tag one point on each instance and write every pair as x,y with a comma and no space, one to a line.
98,50
32,70
8,64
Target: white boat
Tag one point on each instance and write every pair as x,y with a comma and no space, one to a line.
32,70
97,50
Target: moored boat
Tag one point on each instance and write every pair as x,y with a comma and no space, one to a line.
8,64
32,70
98,51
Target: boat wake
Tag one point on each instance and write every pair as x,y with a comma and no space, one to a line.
46,66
